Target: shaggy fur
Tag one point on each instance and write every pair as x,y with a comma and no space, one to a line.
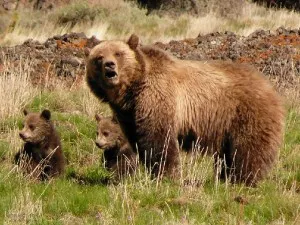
118,155
41,155
228,109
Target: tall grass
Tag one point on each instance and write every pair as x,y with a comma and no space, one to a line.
24,209
16,89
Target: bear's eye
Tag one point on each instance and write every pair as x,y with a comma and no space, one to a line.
118,54
98,59
31,127
97,133
105,133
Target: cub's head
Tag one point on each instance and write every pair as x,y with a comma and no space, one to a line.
37,127
109,133
111,66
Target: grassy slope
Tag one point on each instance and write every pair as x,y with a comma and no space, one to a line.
86,199
142,201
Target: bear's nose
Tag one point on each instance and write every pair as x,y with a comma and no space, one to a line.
21,135
110,64
98,145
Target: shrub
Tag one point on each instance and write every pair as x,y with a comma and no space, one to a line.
79,12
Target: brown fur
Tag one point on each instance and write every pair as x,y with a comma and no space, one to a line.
41,155
118,155
229,109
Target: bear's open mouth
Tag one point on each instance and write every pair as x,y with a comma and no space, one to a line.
102,146
110,73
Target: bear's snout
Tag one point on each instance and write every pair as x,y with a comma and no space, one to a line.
100,144
22,135
110,65
110,69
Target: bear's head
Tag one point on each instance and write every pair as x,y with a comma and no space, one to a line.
111,65
109,133
37,127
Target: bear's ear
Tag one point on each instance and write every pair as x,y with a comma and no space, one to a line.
25,112
87,52
133,41
46,114
98,117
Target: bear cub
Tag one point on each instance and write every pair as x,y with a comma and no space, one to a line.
41,155
119,157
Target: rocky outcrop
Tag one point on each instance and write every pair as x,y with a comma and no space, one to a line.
276,54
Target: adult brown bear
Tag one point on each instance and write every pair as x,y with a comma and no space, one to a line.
229,109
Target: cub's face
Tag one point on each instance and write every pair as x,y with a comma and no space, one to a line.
110,66
109,133
36,127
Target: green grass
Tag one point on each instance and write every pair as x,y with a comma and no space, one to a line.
83,195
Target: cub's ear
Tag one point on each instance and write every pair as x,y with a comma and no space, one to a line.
98,117
133,41
25,112
46,114
115,119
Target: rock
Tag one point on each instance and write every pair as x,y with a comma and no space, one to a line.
9,5
73,61
43,4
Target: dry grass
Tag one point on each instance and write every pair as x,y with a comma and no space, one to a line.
15,88
252,17
128,18
89,104
24,209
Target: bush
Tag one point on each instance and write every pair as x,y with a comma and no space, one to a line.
289,4
79,12
174,7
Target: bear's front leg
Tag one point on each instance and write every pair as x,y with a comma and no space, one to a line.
159,151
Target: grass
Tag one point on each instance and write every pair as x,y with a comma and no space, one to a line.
20,90
83,195
117,19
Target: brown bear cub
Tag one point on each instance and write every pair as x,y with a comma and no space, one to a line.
118,155
41,155
228,108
